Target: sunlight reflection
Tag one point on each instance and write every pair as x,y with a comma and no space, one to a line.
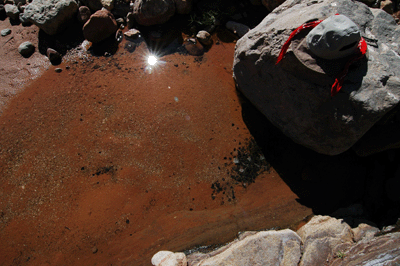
152,63
152,60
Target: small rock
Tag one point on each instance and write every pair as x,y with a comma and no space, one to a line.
94,250
387,6
237,28
100,26
54,56
24,21
26,49
12,11
168,258
58,70
194,48
132,33
108,4
204,37
5,32
84,14
120,21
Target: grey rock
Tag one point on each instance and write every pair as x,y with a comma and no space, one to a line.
152,12
382,250
204,37
12,11
52,16
263,248
5,32
26,49
237,28
323,236
24,21
297,100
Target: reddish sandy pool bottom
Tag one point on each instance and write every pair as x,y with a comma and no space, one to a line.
106,163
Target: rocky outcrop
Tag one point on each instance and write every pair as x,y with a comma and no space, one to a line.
52,16
321,236
322,241
100,26
152,12
297,100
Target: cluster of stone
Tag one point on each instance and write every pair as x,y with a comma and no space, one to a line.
322,241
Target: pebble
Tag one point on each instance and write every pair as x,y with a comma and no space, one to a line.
54,56
132,33
58,70
26,49
5,32
94,250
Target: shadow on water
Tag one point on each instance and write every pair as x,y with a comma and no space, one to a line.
358,189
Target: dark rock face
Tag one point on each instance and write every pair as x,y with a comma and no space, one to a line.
297,100
52,16
152,12
100,26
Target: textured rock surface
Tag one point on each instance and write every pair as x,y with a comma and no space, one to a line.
100,26
167,258
297,100
382,250
151,12
12,11
263,248
321,236
52,16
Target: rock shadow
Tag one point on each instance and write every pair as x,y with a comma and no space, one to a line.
70,38
344,186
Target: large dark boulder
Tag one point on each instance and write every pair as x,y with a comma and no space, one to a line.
152,12
297,100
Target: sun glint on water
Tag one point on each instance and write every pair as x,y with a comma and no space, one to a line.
152,60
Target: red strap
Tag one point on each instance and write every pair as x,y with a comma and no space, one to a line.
308,25
362,49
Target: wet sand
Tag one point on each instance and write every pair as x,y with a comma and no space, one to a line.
106,163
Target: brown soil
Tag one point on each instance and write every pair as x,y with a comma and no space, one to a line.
106,163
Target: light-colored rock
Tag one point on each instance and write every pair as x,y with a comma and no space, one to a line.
100,26
297,100
132,33
382,250
52,16
108,4
183,6
168,258
321,236
364,232
272,4
5,32
152,12
12,11
204,37
263,248
26,49
237,28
